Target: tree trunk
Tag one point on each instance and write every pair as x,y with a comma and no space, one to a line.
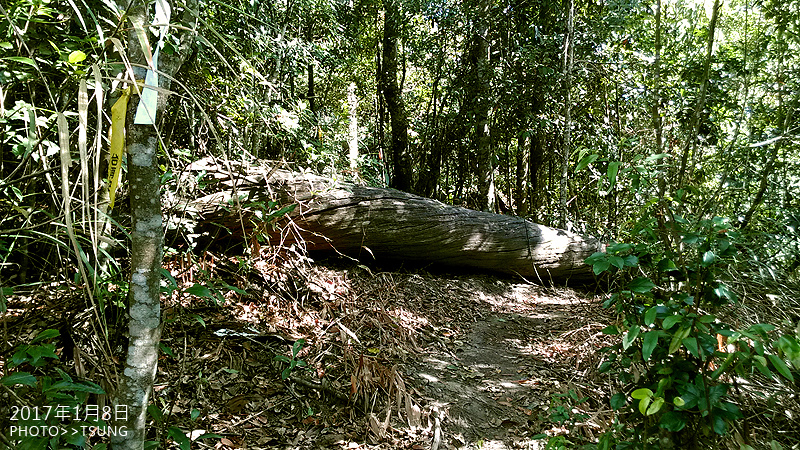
568,59
393,94
352,142
390,225
479,104
380,107
522,175
144,178
691,139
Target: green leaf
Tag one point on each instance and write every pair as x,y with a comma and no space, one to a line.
644,404
281,212
199,290
180,437
654,407
781,367
761,364
666,265
616,261
62,386
719,424
631,261
673,421
670,321
585,161
708,318
762,329
691,238
722,291
194,414
773,445
613,169
618,401
649,342
600,266
709,258
630,337
641,285
76,57
199,320
790,348
166,350
45,335
691,344
596,256
618,247
20,59
297,346
677,339
155,413
678,401
23,378
650,315
611,329
639,394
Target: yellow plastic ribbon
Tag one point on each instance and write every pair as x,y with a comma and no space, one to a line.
118,113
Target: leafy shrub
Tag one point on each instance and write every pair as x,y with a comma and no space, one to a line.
49,399
677,361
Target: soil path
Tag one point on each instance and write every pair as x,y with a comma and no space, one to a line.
493,384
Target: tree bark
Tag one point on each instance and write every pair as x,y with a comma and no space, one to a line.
389,225
352,142
522,174
144,178
393,94
567,144
481,91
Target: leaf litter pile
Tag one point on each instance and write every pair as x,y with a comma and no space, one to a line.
285,353
344,356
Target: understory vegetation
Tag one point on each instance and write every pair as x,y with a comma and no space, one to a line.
668,130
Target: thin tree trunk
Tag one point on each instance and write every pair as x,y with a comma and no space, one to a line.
432,169
144,178
522,175
482,75
352,143
691,139
656,111
380,107
536,167
568,61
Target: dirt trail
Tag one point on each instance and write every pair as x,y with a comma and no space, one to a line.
493,384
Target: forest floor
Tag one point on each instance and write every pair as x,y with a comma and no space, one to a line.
285,353
393,360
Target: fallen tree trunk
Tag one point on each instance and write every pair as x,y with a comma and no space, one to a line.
386,224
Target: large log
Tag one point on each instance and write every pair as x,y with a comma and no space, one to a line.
386,224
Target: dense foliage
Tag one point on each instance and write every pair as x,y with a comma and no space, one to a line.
682,150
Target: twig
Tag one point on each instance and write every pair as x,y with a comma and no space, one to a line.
437,429
324,387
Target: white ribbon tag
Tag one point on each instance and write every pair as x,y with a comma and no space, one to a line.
146,112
